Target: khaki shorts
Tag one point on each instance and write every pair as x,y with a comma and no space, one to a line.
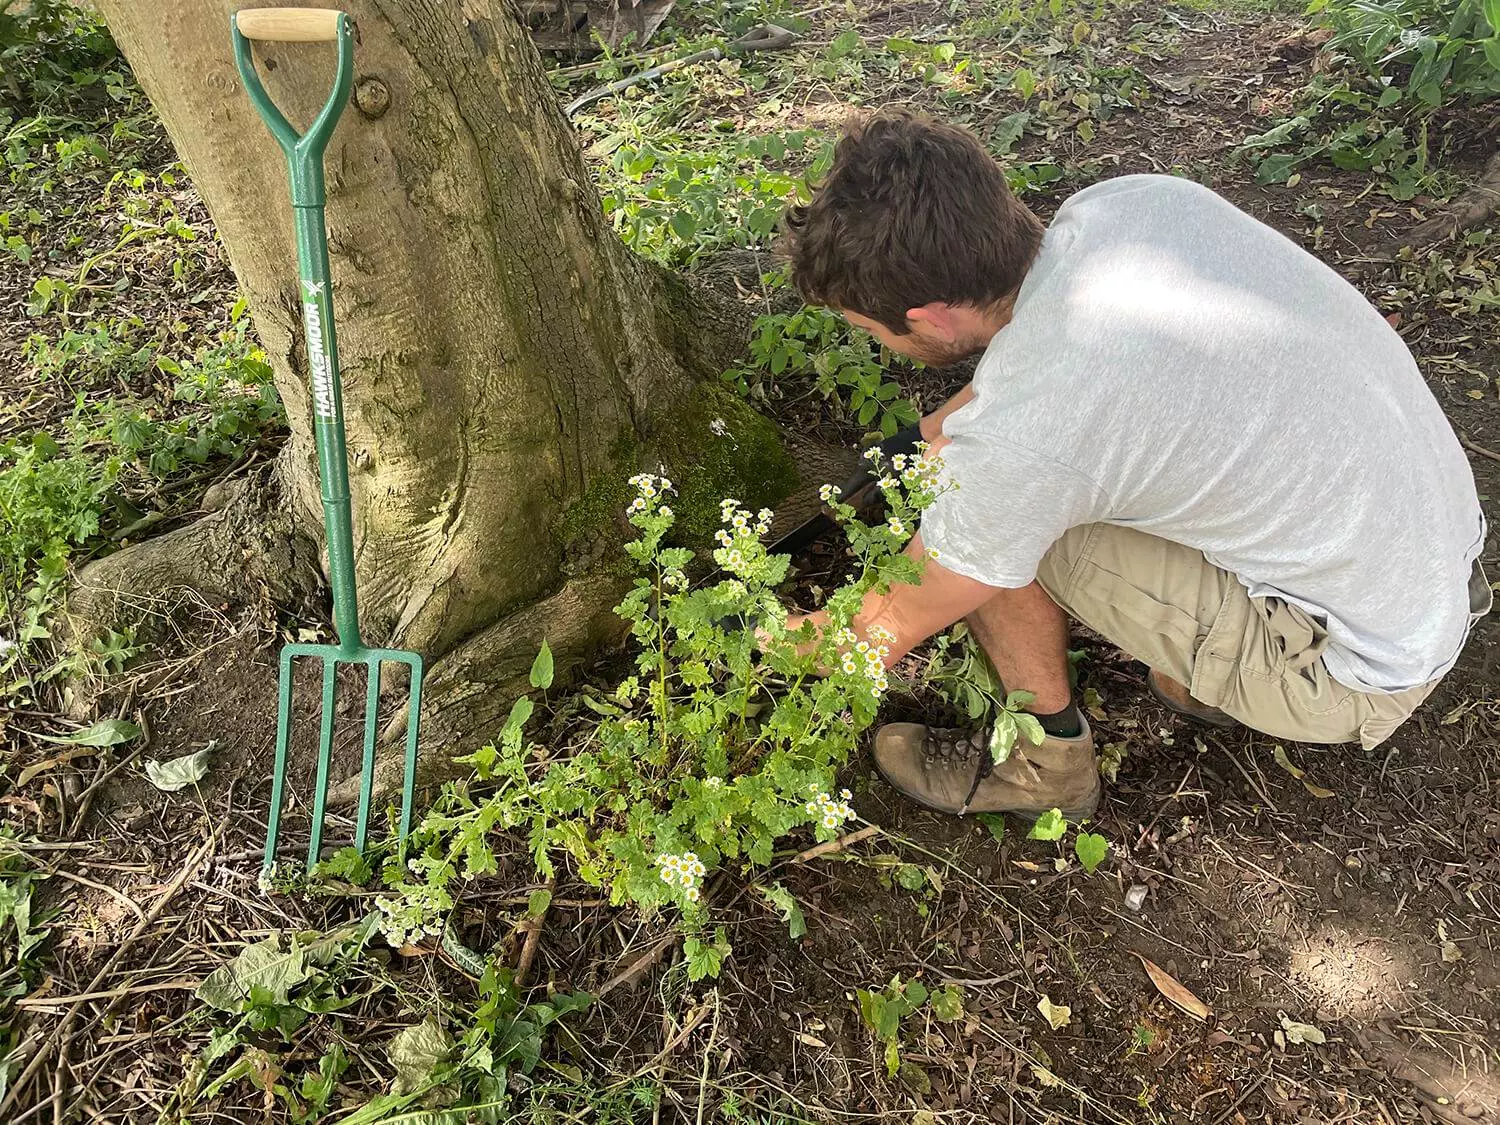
1258,659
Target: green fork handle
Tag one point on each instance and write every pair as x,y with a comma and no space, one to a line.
304,160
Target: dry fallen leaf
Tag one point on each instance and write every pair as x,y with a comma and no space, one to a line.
1058,1015
1299,1033
1172,989
1317,790
1279,753
1045,1076
810,1040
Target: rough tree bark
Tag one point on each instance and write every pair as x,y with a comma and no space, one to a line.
507,362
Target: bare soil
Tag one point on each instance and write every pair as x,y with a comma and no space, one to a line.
1362,899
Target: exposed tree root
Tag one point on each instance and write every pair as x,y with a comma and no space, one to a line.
246,550
469,692
1469,210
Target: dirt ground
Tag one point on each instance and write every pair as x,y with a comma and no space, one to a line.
1362,899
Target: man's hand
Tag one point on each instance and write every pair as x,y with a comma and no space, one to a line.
911,613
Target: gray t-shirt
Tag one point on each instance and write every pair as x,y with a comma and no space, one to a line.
1176,366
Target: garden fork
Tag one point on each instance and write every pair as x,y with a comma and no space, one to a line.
304,155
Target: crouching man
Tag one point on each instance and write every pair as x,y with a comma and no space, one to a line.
1184,431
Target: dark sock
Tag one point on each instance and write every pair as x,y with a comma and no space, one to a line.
1067,723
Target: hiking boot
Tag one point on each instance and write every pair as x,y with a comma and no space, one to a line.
1176,697
951,770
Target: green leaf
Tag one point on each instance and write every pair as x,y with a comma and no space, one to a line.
264,965
1008,131
1027,724
1389,97
1091,848
683,225
1003,736
994,822
892,1058
1049,826
178,773
1492,16
538,903
106,732
704,960
915,994
1492,50
1017,700
541,668
910,877
791,911
417,1052
948,1003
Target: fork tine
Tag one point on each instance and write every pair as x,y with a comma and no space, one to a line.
409,770
367,767
325,755
278,774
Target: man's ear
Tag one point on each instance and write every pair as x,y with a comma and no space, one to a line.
936,319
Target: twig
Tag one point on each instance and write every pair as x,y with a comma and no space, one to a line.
1474,447
533,938
61,1037
713,1035
118,896
676,1041
640,964
830,847
41,1003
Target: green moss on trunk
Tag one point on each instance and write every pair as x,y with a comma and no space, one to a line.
712,446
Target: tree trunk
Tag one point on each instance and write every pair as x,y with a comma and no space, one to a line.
506,361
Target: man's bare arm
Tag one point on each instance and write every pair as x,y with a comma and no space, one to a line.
932,424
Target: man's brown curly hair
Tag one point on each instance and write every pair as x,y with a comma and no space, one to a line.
912,211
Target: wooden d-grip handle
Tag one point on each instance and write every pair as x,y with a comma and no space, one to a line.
289,25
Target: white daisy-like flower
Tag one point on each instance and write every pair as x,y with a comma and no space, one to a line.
765,515
668,875
714,782
811,807
862,646
637,505
739,520
845,795
872,453
735,558
762,527
648,490
850,664
932,553
896,526
881,635
898,461
723,537
830,820
728,504
829,492
686,879
845,637
887,482
693,894
664,511
666,484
